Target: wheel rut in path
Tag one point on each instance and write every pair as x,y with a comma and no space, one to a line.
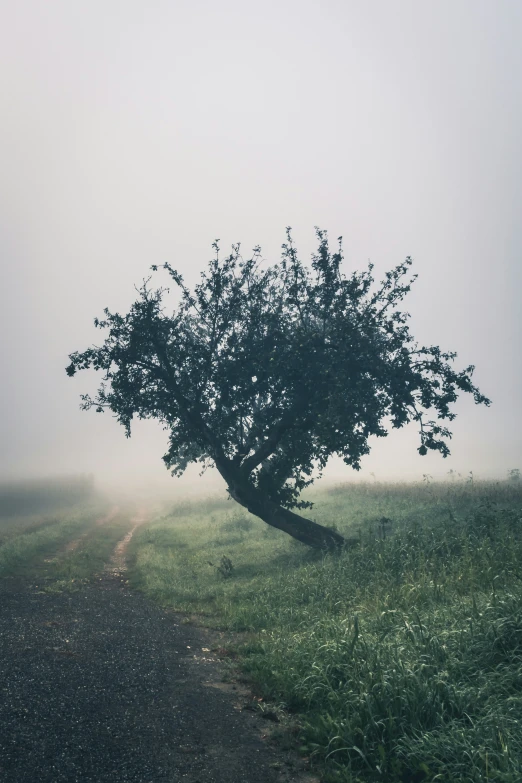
72,546
102,686
117,565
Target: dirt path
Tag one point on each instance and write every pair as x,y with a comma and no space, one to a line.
73,545
118,562
101,686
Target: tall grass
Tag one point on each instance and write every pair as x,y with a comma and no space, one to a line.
403,657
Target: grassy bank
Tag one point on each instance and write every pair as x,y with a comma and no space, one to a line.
402,658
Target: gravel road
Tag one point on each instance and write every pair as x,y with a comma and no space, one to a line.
101,685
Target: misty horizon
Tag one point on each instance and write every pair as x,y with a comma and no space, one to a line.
135,136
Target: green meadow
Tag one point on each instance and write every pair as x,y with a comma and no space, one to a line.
399,660
39,518
25,542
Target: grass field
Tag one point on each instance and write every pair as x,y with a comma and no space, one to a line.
63,538
401,660
37,517
23,544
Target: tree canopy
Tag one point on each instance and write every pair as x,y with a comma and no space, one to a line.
265,371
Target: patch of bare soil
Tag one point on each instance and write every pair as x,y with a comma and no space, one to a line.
102,686
117,565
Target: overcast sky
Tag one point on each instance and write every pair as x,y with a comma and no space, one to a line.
135,133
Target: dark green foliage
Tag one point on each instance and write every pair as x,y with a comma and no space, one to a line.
267,371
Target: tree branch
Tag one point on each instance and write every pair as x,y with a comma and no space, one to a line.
269,445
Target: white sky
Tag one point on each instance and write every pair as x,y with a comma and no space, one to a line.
135,133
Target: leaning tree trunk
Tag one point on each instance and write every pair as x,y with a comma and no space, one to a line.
298,527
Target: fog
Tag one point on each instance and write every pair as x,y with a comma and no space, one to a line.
136,133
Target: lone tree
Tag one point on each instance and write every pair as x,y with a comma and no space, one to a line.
266,371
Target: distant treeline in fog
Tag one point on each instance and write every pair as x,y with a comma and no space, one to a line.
37,495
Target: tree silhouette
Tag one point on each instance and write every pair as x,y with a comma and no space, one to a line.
266,371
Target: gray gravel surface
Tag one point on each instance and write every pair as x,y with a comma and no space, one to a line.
101,685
